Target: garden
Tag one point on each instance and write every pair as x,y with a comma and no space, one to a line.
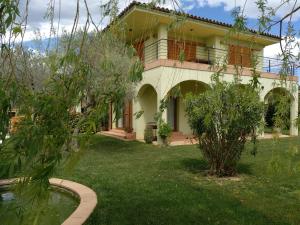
138,183
55,102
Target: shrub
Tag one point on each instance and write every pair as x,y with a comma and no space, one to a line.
164,130
223,117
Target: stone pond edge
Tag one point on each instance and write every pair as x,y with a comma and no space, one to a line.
88,199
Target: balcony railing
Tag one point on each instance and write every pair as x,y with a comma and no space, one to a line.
198,53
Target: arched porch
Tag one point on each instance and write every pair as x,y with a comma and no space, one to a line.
146,106
283,98
175,112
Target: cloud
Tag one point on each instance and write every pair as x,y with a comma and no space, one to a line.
273,51
251,10
66,9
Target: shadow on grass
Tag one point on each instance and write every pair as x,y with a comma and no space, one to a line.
201,166
195,165
108,144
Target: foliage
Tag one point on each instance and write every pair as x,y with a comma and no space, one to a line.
164,130
278,111
223,118
96,72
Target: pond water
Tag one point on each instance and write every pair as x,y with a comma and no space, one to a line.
60,205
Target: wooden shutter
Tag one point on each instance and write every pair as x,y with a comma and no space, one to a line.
239,56
127,116
139,47
175,47
246,56
190,51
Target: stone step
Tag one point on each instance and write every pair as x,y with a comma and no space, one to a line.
112,133
178,137
117,131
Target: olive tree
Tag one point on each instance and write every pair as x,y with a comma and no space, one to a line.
223,118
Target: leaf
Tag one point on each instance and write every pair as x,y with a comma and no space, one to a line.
17,30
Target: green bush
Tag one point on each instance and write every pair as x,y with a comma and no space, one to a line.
223,118
164,130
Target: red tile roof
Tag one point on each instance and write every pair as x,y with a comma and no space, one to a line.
198,18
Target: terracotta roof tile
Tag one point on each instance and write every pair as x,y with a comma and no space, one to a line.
165,10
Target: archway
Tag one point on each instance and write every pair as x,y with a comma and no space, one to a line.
176,115
147,106
279,100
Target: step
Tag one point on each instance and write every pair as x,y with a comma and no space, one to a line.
117,131
114,134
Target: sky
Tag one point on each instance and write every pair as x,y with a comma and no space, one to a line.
220,10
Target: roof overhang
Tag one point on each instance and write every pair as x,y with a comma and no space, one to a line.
140,20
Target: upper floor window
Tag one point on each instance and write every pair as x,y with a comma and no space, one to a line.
140,47
239,55
187,47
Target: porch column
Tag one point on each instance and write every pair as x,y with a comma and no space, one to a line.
164,117
294,116
113,118
162,36
262,129
138,123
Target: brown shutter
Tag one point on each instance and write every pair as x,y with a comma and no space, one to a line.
239,56
190,51
173,52
189,48
128,116
139,47
246,56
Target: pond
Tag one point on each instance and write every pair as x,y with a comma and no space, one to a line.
60,205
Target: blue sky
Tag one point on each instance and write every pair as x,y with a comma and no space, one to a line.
223,13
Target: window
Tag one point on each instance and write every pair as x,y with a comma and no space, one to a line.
189,48
240,56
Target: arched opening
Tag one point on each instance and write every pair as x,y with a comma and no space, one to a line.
278,108
147,105
176,115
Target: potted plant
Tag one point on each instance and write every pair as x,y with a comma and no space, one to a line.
164,132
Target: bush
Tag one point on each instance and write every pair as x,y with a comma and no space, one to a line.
164,130
223,117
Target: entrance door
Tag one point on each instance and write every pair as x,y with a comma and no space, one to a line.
128,116
172,113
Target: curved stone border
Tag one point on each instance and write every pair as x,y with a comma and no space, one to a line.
88,199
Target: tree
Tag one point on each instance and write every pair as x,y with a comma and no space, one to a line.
103,69
223,118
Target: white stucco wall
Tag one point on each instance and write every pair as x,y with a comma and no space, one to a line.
163,79
145,101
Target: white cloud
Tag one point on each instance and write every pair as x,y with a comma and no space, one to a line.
273,51
38,9
251,10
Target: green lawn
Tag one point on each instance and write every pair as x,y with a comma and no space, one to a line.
141,184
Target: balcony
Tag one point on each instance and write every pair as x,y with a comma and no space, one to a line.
199,56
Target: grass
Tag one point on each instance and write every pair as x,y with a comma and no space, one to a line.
141,184
270,131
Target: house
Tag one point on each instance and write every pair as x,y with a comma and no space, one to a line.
179,51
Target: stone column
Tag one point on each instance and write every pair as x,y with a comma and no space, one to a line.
163,117
138,123
294,116
162,37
